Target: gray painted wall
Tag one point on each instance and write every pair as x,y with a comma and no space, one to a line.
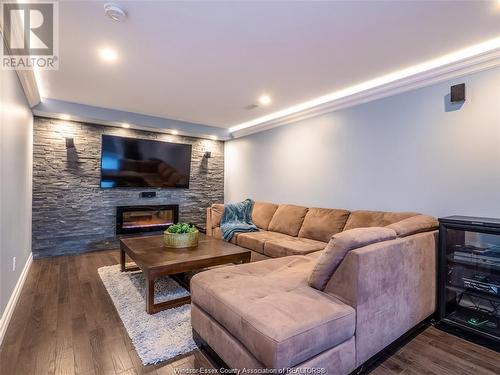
71,214
16,127
413,151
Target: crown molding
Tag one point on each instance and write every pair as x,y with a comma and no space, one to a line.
30,86
470,65
26,76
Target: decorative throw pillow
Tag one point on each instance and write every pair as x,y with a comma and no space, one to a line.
338,247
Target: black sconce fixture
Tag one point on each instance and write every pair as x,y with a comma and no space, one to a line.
457,93
70,143
207,155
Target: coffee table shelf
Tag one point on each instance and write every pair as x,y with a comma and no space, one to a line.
155,260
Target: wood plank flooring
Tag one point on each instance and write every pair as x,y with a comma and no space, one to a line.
65,323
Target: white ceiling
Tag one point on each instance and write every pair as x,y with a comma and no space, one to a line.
204,62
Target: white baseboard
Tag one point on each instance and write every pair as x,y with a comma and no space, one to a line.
9,309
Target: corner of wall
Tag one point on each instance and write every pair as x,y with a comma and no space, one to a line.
11,305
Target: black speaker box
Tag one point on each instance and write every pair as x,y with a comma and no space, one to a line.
457,93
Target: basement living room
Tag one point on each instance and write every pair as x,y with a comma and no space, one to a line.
260,187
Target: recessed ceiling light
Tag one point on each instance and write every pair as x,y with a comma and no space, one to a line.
214,137
64,117
125,125
114,12
108,55
264,99
175,132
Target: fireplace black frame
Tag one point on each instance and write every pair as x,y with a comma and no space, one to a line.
121,209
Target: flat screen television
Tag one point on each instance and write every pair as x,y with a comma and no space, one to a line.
143,163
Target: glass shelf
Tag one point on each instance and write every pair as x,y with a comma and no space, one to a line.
475,293
494,269
482,323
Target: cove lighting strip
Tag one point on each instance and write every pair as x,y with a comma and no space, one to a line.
454,57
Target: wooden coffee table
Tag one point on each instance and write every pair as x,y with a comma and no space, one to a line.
155,260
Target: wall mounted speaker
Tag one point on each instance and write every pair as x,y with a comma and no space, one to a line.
148,194
457,93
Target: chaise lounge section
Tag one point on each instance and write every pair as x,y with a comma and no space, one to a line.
333,288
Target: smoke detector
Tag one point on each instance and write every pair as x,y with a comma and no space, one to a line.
114,12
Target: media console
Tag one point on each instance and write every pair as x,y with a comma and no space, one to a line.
469,278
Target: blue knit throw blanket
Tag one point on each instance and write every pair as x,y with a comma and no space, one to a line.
237,218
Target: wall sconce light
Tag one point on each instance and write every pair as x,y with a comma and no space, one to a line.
207,155
70,143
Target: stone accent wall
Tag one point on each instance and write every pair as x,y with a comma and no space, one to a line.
72,214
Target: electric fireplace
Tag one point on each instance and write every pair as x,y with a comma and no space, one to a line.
140,219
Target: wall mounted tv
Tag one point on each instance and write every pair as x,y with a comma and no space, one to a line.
142,163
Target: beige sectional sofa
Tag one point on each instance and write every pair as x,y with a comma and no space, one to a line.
341,287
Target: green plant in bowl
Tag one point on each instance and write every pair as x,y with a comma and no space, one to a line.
181,235
182,228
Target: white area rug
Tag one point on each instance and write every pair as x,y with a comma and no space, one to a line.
156,337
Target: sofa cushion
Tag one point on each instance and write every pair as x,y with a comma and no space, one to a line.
322,223
271,310
217,211
288,219
414,224
255,240
263,213
292,246
217,233
364,219
340,244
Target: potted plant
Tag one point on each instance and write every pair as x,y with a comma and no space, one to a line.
181,235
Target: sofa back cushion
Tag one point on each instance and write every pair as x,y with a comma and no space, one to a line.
364,219
288,219
263,213
338,247
322,223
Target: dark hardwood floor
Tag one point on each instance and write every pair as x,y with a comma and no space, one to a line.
65,323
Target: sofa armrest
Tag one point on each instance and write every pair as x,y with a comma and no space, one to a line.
214,216
413,225
392,286
210,230
340,244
